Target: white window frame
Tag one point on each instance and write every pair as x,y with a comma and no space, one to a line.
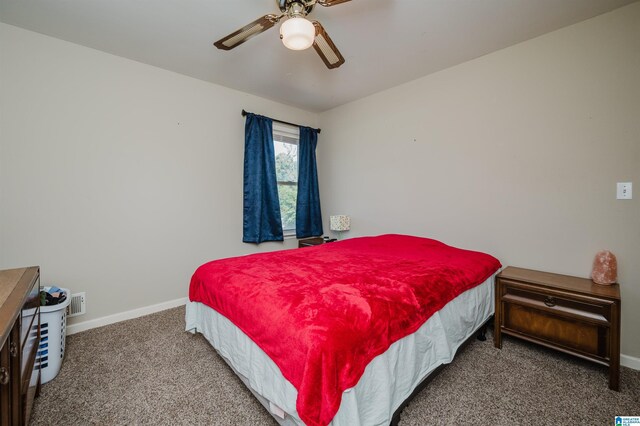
287,134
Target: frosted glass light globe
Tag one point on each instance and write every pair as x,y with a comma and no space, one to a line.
297,33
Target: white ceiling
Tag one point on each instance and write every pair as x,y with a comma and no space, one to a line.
384,42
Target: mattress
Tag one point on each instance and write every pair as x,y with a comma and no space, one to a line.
388,380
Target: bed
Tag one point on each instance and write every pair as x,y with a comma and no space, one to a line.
342,333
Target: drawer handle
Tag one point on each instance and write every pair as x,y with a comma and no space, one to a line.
4,376
550,301
13,349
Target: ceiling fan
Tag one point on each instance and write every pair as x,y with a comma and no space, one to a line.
296,32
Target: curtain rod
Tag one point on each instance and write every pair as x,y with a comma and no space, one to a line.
244,113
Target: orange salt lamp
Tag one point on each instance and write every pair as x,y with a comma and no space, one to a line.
605,268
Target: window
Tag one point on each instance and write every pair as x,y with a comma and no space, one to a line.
285,141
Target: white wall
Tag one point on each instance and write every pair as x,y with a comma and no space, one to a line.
516,153
116,177
119,179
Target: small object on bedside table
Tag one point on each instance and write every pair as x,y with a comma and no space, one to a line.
340,223
570,314
605,268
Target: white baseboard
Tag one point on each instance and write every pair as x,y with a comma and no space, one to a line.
122,316
630,361
625,360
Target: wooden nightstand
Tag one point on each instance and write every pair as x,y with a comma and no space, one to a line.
569,314
308,242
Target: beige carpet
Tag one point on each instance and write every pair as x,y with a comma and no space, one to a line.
149,371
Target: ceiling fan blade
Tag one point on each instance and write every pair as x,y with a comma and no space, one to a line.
328,51
245,33
327,3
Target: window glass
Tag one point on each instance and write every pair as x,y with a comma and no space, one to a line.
285,140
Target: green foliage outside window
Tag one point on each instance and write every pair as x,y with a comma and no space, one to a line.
287,176
288,195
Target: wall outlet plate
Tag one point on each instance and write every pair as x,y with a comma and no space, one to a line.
624,191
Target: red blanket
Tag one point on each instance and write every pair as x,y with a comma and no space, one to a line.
323,313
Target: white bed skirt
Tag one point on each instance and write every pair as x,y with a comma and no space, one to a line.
388,380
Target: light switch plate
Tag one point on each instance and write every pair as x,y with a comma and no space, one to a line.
624,191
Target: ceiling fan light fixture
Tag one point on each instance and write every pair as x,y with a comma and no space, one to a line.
297,33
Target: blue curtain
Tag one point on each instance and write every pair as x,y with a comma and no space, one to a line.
261,211
308,216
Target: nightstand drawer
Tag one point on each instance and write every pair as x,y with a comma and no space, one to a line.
557,303
585,337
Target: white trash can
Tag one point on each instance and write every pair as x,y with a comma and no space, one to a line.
53,332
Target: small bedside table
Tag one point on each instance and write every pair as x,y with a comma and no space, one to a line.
570,314
308,242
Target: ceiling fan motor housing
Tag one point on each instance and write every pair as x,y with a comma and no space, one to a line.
296,7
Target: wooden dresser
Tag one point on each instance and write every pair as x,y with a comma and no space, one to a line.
570,314
20,328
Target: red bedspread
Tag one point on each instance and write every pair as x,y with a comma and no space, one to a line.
323,313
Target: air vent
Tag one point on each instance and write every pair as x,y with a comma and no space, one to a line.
77,305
